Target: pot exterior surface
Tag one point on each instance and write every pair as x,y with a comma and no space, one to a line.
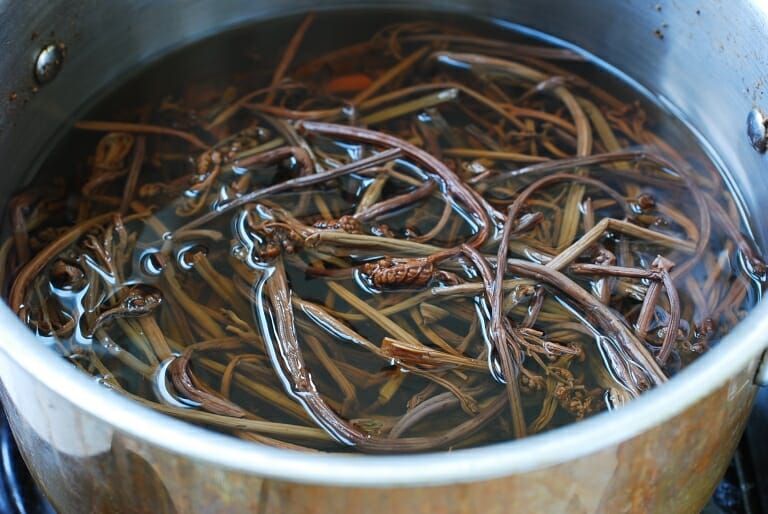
86,465
90,455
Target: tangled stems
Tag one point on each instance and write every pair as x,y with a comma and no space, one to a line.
285,354
420,241
479,209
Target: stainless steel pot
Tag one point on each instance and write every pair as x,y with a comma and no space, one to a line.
93,451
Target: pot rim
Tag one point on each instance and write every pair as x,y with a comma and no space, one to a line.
738,350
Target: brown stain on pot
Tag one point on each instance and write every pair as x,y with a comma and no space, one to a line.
672,467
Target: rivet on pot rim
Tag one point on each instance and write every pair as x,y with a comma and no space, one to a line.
48,63
756,130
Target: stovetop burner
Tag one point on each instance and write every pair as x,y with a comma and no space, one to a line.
743,490
19,494
738,492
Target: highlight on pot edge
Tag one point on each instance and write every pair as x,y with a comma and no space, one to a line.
436,236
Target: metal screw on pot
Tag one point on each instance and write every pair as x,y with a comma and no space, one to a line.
48,63
757,130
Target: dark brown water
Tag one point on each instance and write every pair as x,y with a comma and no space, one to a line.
188,259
